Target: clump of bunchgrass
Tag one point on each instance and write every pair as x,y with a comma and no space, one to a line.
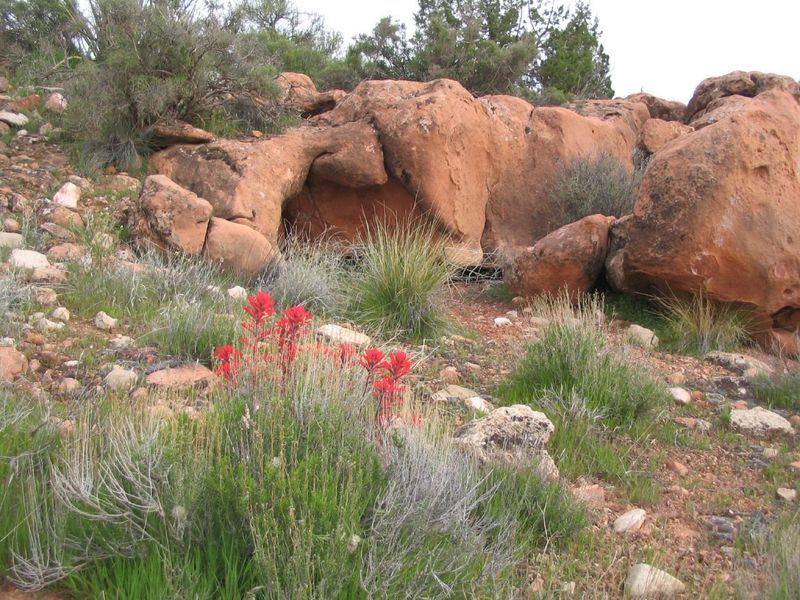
698,325
779,391
396,286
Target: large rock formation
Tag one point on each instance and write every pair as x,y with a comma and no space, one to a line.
719,212
657,133
666,110
299,93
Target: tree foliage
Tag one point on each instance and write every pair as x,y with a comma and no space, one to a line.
521,47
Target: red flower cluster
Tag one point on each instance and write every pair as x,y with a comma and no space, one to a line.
387,390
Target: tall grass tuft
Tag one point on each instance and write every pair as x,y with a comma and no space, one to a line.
584,385
699,325
395,289
780,391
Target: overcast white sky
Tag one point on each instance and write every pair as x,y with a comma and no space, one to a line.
665,48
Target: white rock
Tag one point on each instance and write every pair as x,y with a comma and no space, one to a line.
478,404
742,364
22,133
787,494
45,296
336,334
70,364
630,521
11,240
513,435
680,395
120,378
104,321
28,259
68,196
48,325
760,422
12,118
61,314
68,386
642,336
645,581
237,292
502,322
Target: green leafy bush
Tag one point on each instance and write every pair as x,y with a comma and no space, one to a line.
396,286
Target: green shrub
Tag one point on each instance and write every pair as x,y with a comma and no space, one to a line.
698,325
598,184
780,391
396,287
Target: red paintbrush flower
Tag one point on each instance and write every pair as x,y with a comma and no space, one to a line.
398,365
261,307
371,359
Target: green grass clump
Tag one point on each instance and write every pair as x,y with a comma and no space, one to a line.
395,289
780,391
697,325
585,387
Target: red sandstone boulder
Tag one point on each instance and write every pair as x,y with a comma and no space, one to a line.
238,248
656,134
172,217
666,110
299,93
629,116
571,258
739,83
178,132
719,109
719,212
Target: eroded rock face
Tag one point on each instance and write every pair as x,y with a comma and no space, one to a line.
571,258
172,217
719,212
249,182
656,134
739,83
300,94
666,110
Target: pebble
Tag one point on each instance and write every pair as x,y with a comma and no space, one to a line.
449,375
237,292
645,581
786,494
680,395
336,334
104,321
118,342
120,378
44,324
68,386
478,404
61,314
45,296
68,196
28,259
677,378
11,240
502,322
11,225
678,468
642,336
630,521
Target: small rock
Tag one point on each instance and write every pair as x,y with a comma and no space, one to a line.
630,521
56,103
742,364
794,420
449,375
11,225
502,322
45,129
45,296
680,395
677,378
121,378
61,314
722,528
104,321
28,259
36,339
642,336
67,252
678,468
11,240
12,363
69,386
44,324
739,405
645,581
336,334
48,275
472,367
697,395
12,118
119,342
237,292
592,495
769,453
795,466
183,377
786,494
760,422
679,490
478,404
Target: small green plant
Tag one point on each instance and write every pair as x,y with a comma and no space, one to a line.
597,184
699,325
395,289
779,391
